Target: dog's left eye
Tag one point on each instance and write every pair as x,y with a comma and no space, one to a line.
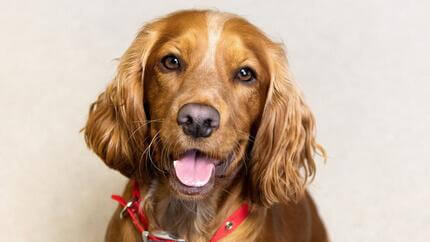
245,74
171,62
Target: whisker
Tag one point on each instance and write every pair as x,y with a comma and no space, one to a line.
143,124
148,121
246,135
149,153
141,156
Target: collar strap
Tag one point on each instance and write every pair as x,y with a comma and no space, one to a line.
139,219
232,222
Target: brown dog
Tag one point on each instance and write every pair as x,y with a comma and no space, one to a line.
204,115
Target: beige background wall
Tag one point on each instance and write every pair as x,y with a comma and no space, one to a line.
363,65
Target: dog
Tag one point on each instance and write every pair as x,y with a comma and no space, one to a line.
205,119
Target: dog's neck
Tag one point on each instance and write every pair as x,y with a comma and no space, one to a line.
194,220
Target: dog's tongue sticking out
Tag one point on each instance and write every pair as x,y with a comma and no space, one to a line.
193,169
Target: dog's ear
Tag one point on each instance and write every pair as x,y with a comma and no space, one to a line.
116,129
284,147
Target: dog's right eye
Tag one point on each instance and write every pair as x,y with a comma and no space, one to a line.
171,62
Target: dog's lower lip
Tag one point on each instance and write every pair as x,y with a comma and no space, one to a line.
191,190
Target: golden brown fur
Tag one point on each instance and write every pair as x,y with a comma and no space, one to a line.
265,124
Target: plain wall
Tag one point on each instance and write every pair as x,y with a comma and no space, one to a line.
363,66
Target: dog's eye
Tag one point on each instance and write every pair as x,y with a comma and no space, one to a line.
245,74
171,62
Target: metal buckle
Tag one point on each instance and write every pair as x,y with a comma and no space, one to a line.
145,236
160,235
123,212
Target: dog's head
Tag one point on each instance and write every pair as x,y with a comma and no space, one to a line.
201,97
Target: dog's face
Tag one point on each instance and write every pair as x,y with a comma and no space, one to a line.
205,88
201,97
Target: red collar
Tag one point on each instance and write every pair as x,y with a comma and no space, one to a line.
141,222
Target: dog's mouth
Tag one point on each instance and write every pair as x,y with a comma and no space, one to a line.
195,172
194,169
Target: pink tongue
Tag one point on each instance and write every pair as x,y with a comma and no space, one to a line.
193,170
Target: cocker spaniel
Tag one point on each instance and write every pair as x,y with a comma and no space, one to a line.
204,118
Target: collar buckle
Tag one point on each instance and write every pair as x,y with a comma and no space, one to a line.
145,235
159,235
128,205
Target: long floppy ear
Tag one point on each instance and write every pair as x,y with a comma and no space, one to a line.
284,147
115,129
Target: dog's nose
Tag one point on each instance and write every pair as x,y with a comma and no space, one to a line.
198,120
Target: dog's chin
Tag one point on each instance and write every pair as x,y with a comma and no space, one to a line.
193,175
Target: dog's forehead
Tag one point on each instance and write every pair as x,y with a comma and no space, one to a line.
215,25
207,32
